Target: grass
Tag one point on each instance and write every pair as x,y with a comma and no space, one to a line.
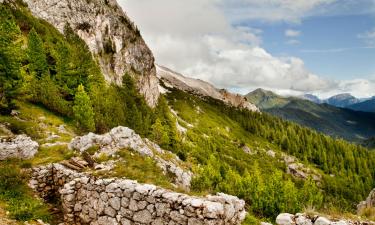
136,167
17,198
38,123
53,154
368,213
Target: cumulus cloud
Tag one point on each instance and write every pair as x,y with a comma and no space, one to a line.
196,38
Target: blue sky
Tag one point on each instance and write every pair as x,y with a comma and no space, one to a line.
323,47
329,45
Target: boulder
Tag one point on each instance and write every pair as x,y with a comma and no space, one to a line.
20,146
285,219
322,221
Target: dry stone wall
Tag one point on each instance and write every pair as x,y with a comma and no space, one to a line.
89,200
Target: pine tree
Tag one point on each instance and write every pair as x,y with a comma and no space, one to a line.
36,55
83,111
10,78
158,133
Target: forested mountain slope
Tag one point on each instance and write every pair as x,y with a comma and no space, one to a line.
337,122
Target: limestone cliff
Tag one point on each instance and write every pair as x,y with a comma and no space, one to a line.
110,35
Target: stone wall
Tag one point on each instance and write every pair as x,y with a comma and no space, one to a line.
89,200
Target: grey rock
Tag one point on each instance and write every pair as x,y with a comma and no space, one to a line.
285,219
322,221
20,146
143,216
115,203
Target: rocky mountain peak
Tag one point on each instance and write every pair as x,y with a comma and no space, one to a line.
110,35
202,88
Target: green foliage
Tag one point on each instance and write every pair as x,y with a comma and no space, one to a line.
159,133
121,105
83,111
36,55
19,198
10,61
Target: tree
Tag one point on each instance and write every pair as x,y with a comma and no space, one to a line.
36,55
159,134
10,78
82,109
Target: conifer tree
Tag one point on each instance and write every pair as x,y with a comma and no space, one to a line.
10,78
82,109
36,55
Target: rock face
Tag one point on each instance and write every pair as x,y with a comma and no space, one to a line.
302,219
20,146
202,88
124,138
368,203
110,36
89,200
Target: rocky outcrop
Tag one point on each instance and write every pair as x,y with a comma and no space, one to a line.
110,36
303,219
90,200
368,203
20,146
201,88
124,138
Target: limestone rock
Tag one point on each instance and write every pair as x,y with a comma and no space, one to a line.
110,36
202,88
20,146
322,221
285,219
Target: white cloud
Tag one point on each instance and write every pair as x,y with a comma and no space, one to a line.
369,37
292,33
197,39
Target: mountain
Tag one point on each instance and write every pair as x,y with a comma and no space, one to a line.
110,35
366,106
266,99
312,98
202,88
334,121
342,100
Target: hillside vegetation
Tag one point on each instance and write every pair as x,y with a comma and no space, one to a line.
43,71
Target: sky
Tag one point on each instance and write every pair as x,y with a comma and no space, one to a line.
323,47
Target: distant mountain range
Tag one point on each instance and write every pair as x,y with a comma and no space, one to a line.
335,121
345,101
